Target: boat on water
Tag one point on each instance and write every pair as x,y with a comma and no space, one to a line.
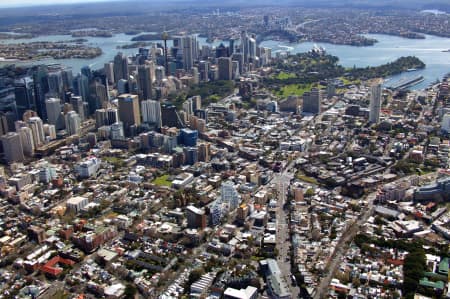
287,48
448,50
411,70
407,82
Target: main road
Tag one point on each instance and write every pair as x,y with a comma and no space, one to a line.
283,244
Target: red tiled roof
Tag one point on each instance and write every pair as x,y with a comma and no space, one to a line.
50,268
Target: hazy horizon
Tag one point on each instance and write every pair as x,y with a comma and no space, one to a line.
24,3
341,3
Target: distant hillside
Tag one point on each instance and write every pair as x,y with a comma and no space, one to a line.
133,7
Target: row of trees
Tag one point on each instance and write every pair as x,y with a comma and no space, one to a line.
413,270
392,68
210,92
213,88
308,68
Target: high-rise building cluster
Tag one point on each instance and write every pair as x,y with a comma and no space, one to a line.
125,97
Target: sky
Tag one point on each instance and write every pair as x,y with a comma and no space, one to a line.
15,3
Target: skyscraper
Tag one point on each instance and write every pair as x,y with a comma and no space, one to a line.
81,85
188,137
265,55
40,89
375,104
221,51
123,86
331,90
101,118
170,143
12,147
229,195
112,116
216,212
195,75
203,152
4,127
98,96
165,36
53,108
312,101
186,49
244,46
203,69
145,81
196,218
55,83
37,127
67,79
151,112
73,123
225,68
205,52
239,57
252,48
129,111
190,155
109,72
196,102
117,131
235,69
26,137
170,117
231,47
86,70
78,106
201,125
19,124
120,67
266,21
50,131
188,107
177,51
190,51
24,94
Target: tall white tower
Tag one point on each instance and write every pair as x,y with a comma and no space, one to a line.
375,104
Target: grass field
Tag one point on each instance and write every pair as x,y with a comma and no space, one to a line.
162,181
349,82
284,76
307,179
294,89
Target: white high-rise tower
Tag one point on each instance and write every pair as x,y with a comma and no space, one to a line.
375,104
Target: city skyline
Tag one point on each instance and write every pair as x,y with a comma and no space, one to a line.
185,149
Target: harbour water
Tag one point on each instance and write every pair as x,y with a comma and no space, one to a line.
389,48
429,50
108,46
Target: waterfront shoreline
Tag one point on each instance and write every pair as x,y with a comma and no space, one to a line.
387,49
